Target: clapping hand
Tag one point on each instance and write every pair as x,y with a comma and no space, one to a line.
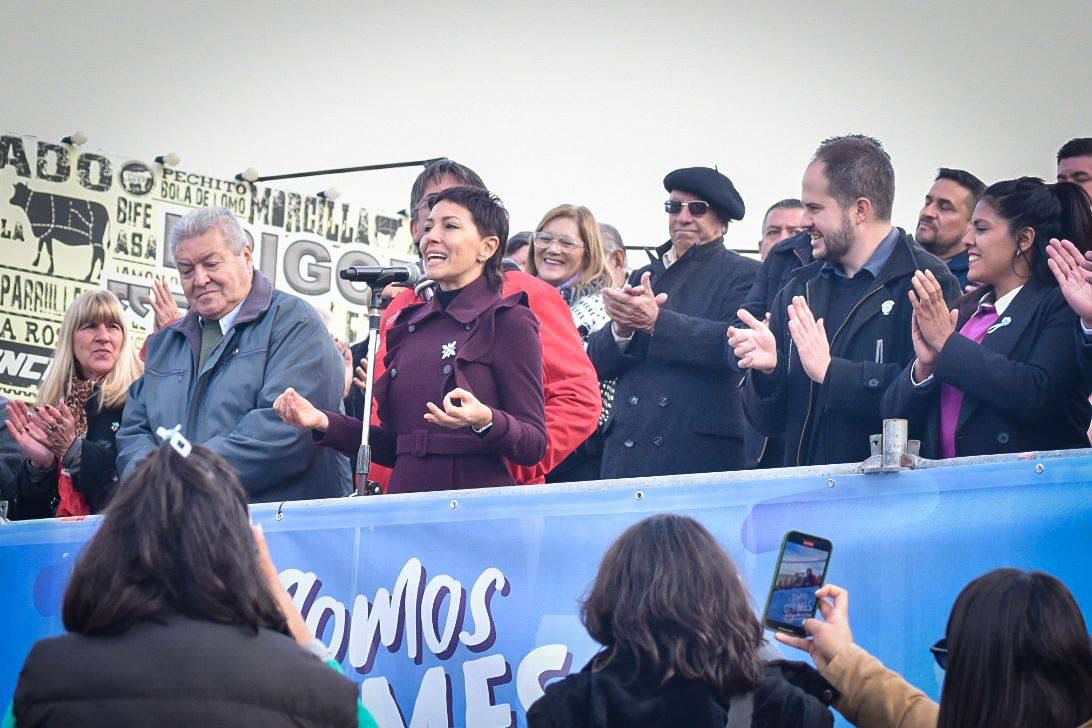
755,346
297,411
57,427
361,378
633,308
27,435
163,304
1074,274
810,337
461,409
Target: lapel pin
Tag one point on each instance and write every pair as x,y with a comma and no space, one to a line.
1003,322
447,350
887,306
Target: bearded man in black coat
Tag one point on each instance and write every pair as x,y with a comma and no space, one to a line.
676,403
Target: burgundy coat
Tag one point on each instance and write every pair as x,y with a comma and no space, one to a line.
497,356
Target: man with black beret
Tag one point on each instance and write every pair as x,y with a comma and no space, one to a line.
676,404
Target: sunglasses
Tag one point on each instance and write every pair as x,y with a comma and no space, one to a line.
543,240
697,207
940,653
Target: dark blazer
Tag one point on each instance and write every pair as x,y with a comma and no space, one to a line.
1022,386
612,697
785,258
676,403
832,422
497,356
97,476
181,672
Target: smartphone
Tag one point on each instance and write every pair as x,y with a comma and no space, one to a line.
801,570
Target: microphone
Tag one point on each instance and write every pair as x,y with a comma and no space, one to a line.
404,274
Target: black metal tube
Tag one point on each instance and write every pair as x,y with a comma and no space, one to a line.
344,170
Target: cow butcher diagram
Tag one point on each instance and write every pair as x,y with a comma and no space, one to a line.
65,219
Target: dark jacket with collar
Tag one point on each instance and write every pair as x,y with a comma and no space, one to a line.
494,351
97,475
180,672
610,697
832,422
785,258
676,404
1022,387
277,341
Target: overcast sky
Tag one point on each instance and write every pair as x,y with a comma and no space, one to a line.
582,102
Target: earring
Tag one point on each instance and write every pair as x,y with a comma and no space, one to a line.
1019,252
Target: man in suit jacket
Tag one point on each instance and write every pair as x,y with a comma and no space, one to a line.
676,403
840,328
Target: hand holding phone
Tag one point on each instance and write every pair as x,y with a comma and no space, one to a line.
800,572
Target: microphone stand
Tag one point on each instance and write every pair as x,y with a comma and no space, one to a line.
362,481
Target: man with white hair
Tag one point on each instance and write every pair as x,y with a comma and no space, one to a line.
217,370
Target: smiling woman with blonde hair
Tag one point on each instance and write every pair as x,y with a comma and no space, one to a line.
68,437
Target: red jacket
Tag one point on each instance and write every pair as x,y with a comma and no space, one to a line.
570,384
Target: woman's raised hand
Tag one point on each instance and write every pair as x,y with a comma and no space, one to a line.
461,409
295,410
26,435
934,319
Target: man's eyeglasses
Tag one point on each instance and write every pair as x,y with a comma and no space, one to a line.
940,653
697,207
543,240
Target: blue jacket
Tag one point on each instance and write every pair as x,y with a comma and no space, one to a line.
278,341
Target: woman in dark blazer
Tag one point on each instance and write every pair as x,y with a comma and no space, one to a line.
462,390
999,374
68,439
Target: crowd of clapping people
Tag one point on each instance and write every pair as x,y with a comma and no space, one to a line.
538,358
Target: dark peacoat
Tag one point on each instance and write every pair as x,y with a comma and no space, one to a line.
484,344
1022,386
832,422
676,403
788,255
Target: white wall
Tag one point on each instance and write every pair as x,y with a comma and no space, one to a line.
579,102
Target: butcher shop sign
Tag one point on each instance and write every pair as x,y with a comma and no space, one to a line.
72,219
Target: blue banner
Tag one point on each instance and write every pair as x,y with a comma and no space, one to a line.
456,608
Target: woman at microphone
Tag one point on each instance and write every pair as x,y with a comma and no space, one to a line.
998,374
462,390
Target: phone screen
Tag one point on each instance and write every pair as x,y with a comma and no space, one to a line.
801,570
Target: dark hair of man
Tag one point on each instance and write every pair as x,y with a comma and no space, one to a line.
1079,147
669,602
1059,210
176,539
789,203
1018,654
489,217
857,166
517,242
964,179
438,170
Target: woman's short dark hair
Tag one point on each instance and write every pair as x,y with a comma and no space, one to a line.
1058,210
489,217
176,539
1018,654
669,602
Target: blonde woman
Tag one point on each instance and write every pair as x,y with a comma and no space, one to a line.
68,436
567,252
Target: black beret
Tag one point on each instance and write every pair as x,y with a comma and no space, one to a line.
711,186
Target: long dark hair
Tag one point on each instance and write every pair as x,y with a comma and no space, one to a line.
1059,210
668,602
175,540
1019,655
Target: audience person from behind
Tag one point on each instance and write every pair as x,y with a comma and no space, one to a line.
945,218
680,643
997,374
781,222
840,328
172,618
219,368
1075,163
518,249
454,430
1016,653
567,253
570,385
676,406
615,252
68,438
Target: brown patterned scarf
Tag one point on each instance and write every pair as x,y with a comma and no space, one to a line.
79,391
